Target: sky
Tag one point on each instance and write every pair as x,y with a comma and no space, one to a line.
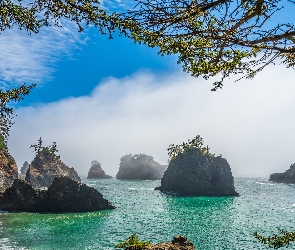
100,99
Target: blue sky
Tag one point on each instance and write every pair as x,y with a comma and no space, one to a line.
100,99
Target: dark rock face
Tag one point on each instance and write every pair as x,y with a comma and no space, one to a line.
45,167
178,243
193,173
287,177
8,170
96,172
63,195
140,167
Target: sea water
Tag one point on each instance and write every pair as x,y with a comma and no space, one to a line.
209,222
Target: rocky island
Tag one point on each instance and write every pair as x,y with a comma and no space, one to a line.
23,171
140,167
96,171
46,166
287,177
193,170
63,195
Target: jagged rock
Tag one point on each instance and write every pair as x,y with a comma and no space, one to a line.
63,195
23,171
140,167
178,243
8,170
195,173
287,177
45,167
96,172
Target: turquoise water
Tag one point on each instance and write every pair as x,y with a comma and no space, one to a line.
209,222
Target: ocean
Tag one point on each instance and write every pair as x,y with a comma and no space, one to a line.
209,222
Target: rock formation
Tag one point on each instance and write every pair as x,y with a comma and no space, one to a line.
96,172
194,172
63,195
45,167
8,169
23,170
287,177
140,167
178,243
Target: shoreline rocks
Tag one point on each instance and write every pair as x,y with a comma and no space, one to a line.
8,170
195,173
287,177
178,243
63,195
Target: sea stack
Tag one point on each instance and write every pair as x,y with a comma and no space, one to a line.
287,177
193,170
96,172
140,167
63,195
46,166
23,171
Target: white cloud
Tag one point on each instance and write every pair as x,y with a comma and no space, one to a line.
31,58
250,123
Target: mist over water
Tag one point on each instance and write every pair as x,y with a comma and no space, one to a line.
209,222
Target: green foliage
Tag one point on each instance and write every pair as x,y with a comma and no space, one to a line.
197,142
133,243
277,241
216,38
2,143
6,111
95,163
51,150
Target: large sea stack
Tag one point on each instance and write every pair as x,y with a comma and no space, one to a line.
63,195
8,169
96,172
45,167
287,177
140,167
197,172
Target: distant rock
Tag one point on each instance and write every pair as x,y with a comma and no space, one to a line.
196,173
96,172
45,167
287,177
178,243
8,169
63,195
23,171
140,167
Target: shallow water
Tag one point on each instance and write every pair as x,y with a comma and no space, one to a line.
209,222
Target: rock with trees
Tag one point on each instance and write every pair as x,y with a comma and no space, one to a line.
23,171
8,167
287,177
193,170
63,195
140,167
96,172
46,166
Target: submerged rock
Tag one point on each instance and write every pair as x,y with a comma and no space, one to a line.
63,195
287,177
45,167
8,169
195,173
178,243
96,172
140,167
